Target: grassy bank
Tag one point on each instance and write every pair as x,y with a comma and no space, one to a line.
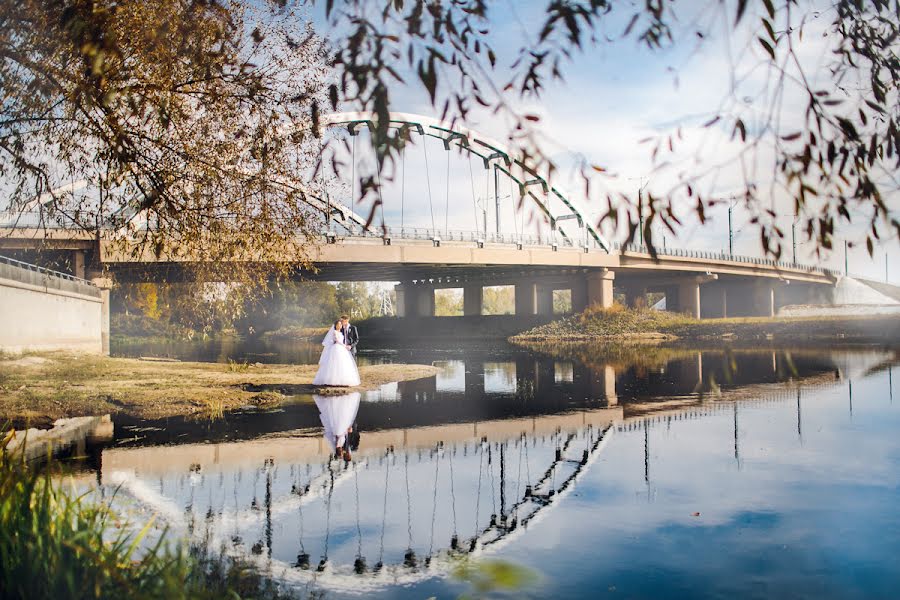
40,388
58,543
623,324
308,334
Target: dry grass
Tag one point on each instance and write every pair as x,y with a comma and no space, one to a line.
69,385
618,323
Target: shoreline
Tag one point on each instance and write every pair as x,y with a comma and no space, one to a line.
605,327
38,388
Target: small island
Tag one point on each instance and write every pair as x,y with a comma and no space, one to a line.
36,389
620,324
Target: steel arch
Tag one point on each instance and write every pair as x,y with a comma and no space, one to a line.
491,152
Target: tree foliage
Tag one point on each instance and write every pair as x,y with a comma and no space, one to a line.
197,115
839,164
186,121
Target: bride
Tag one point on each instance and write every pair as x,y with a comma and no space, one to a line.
336,365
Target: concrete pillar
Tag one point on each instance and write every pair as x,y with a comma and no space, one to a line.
401,300
724,294
474,378
472,299
105,285
526,298
764,300
689,297
424,301
603,385
78,269
543,300
579,295
636,297
600,288
691,373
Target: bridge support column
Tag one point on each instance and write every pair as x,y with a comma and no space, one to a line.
105,284
600,288
424,300
764,297
78,269
401,297
472,300
689,295
689,298
579,295
526,298
543,300
636,297
414,300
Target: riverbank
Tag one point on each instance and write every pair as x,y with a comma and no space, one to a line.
37,389
623,324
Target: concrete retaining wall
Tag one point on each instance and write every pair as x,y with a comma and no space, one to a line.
41,311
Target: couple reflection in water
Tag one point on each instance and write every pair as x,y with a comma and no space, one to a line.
338,416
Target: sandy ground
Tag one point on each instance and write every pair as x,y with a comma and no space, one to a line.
38,389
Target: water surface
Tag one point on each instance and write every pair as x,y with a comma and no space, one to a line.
702,472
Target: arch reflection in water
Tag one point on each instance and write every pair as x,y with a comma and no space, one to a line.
398,513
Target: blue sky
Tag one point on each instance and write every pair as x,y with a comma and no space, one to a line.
616,93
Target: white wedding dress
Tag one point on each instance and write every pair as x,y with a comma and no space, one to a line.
336,365
337,414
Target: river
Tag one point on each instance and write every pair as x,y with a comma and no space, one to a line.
707,472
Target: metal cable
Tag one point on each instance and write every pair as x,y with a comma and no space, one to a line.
447,199
478,493
428,182
474,200
437,465
402,186
452,490
408,503
387,471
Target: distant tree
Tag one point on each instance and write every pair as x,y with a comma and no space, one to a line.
448,302
499,300
359,300
193,117
562,301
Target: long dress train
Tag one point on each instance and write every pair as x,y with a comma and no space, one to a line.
336,365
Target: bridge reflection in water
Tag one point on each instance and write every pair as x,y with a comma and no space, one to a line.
438,475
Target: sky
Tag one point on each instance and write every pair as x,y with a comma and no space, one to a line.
616,93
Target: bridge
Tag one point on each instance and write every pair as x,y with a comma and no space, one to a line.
546,242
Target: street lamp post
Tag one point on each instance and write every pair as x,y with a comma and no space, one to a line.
794,238
730,233
846,260
641,215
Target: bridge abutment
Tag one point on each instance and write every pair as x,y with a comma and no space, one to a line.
105,284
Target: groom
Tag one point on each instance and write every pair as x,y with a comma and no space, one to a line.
351,335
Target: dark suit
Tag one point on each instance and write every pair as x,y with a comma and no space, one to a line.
351,337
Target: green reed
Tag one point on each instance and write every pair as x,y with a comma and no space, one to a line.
58,543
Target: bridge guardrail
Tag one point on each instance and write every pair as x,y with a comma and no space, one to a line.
23,272
425,234
10,220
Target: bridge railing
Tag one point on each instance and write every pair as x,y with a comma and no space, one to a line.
426,234
28,273
724,256
15,219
